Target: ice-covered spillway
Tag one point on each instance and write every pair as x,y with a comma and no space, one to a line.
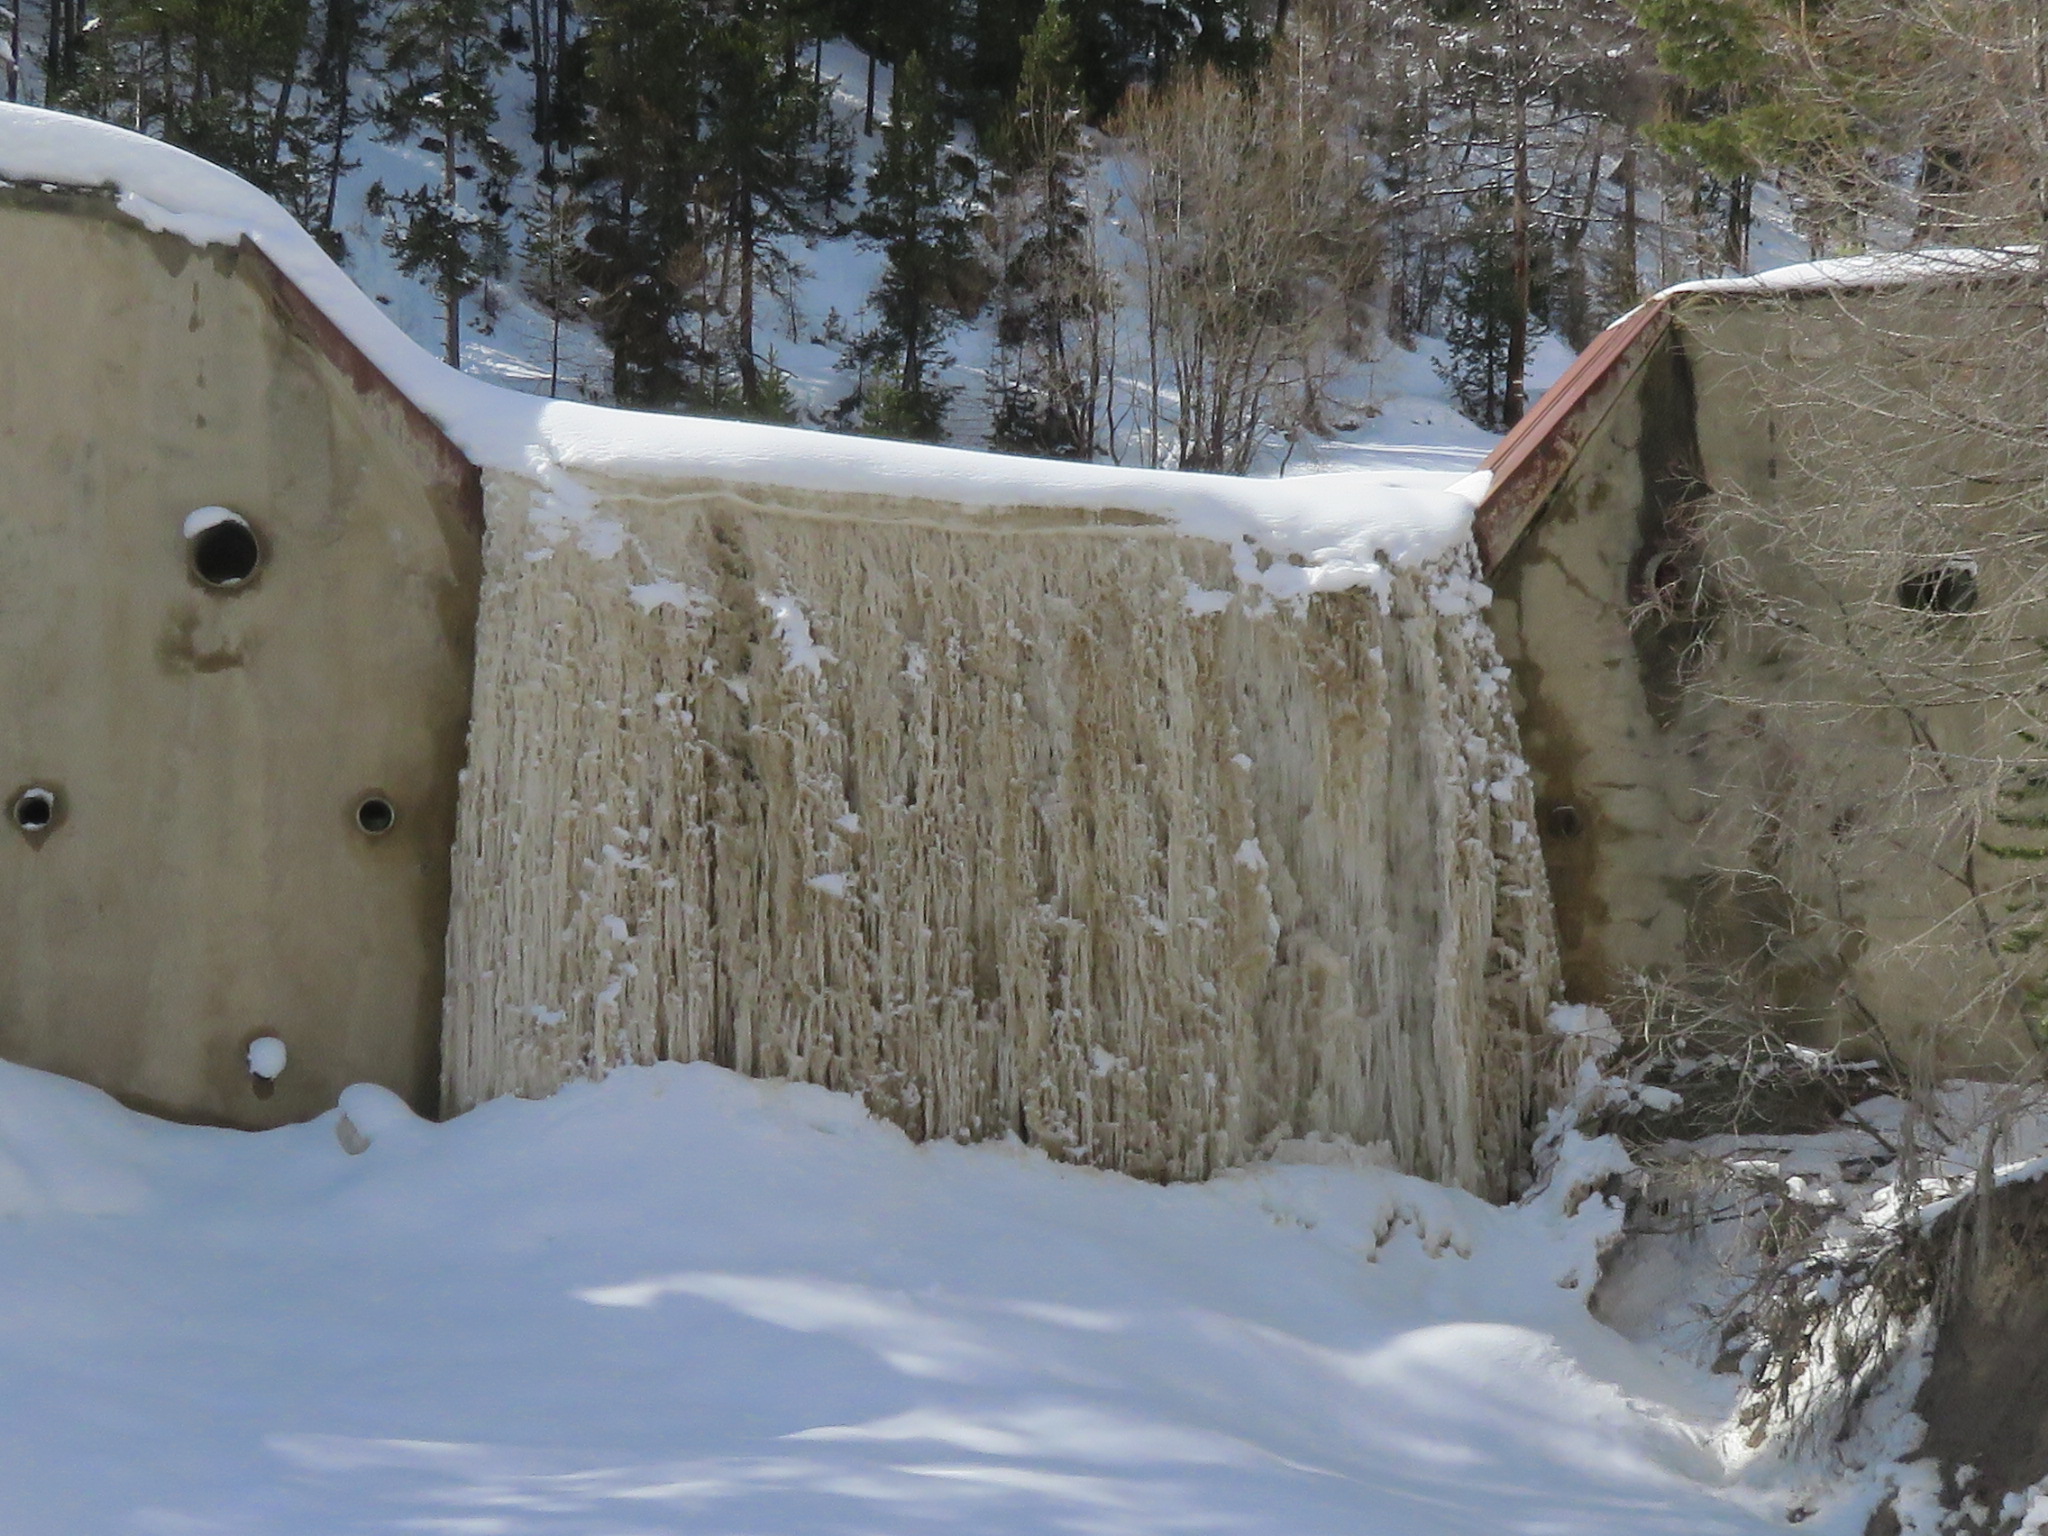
1045,823
1147,816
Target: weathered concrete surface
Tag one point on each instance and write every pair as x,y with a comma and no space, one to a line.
1613,788
1695,819
206,882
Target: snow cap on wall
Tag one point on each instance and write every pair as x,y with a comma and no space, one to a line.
1317,532
1883,270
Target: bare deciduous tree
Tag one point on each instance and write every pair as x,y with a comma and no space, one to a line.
1255,249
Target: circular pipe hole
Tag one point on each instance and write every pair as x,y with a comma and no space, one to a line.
1565,821
35,809
376,815
1666,572
1948,588
222,547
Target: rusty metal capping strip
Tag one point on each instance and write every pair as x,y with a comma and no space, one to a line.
1528,463
367,377
332,342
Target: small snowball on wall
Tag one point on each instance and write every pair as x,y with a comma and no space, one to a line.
266,1058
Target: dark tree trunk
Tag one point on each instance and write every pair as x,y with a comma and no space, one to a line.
1630,221
450,293
750,367
1515,398
541,40
281,116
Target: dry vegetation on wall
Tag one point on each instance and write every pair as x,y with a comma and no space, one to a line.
1855,618
1048,830
1870,675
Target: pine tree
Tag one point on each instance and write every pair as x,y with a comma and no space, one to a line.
1718,53
442,56
1052,298
1483,299
920,215
997,32
775,167
551,256
346,32
1127,42
222,78
1801,93
925,30
639,175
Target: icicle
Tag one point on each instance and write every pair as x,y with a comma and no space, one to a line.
955,812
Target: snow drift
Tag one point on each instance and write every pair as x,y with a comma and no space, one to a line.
679,1301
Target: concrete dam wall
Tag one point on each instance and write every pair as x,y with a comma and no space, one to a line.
1149,818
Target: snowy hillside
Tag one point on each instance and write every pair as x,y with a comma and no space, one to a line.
1397,413
680,1301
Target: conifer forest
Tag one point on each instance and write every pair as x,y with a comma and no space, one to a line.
1177,228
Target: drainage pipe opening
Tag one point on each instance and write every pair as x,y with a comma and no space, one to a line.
222,547
35,810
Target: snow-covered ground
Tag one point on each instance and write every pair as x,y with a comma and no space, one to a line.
1406,419
681,1301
